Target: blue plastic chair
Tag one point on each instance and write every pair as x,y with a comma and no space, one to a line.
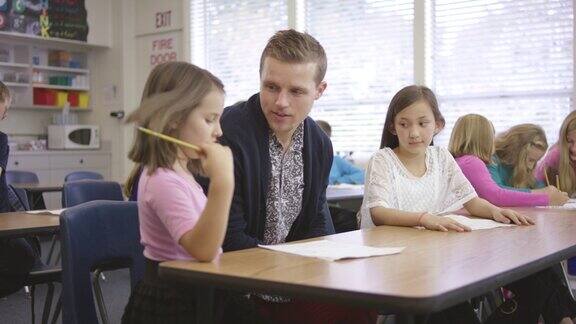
78,192
36,200
22,196
13,176
83,175
40,273
96,233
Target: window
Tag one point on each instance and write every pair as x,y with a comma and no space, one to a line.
228,38
370,58
509,60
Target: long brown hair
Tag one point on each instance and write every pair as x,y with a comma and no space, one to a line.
402,100
172,91
512,149
566,166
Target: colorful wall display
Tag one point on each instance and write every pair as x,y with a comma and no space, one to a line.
46,18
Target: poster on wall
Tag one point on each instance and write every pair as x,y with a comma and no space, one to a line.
45,18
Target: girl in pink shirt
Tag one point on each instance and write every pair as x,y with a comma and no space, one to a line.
561,159
472,145
177,220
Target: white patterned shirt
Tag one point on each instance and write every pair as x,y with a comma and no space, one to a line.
442,188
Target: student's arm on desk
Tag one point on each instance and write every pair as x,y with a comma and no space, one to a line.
395,217
482,208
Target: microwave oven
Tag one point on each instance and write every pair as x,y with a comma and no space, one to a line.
73,137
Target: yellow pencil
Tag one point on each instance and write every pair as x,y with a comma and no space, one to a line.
169,139
546,175
557,182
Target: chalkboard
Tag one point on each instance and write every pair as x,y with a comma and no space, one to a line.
46,18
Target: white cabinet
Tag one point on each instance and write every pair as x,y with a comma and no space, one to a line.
53,166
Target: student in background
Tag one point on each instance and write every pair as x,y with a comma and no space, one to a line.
409,182
177,220
17,255
561,158
472,144
342,171
517,152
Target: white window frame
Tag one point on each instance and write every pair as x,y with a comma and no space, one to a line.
422,40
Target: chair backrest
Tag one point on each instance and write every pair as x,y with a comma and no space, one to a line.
95,233
13,176
20,198
83,175
78,192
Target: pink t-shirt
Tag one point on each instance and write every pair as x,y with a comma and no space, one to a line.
477,173
168,206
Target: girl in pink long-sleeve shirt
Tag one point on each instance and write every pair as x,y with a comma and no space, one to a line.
472,144
561,159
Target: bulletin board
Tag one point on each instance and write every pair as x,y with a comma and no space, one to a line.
65,19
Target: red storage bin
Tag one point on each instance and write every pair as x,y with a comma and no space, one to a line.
44,97
73,98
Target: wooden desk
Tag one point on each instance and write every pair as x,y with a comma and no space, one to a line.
21,224
435,271
334,194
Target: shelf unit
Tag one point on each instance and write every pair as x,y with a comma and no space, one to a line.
31,70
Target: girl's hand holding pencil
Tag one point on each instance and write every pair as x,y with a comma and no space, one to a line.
556,197
216,159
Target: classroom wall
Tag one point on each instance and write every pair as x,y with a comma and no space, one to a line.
112,82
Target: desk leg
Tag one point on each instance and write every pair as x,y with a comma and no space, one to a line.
205,305
411,319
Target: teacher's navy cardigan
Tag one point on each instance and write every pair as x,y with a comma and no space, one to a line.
246,132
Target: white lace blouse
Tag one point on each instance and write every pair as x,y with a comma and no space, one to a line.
442,188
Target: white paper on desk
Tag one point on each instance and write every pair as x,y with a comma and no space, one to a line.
571,204
46,211
346,186
332,250
476,223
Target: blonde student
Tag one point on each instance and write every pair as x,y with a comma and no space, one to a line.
559,164
517,152
177,220
472,145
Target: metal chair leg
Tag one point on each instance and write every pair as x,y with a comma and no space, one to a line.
565,273
32,291
99,297
52,248
48,303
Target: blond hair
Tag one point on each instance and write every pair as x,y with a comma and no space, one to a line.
512,147
472,135
4,92
172,91
565,167
291,46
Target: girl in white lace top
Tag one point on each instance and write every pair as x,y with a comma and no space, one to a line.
408,182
